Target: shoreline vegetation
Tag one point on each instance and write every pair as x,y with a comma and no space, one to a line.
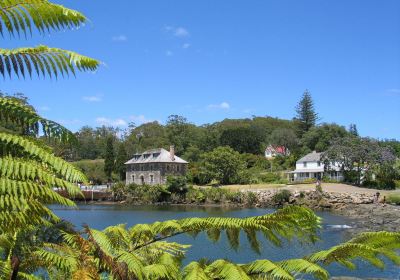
353,202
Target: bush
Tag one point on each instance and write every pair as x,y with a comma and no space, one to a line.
269,177
397,184
194,195
281,197
94,170
393,199
141,193
177,184
309,181
251,198
379,185
235,197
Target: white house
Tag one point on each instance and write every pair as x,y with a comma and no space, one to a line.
311,167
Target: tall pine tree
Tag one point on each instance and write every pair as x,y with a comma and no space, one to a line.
306,115
353,129
109,159
120,160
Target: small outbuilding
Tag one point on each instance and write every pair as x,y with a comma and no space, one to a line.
154,166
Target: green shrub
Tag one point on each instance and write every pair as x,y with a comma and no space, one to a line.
269,177
281,196
235,197
94,170
397,184
310,181
215,194
146,193
177,184
393,199
251,198
194,195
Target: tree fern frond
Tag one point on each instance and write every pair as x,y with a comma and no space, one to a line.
195,271
63,168
285,223
221,269
44,61
367,246
18,16
302,266
31,171
267,269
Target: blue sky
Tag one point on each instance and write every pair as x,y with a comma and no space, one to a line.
209,60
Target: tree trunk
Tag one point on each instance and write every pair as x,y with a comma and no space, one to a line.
15,262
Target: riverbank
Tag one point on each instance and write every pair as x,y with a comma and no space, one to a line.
359,206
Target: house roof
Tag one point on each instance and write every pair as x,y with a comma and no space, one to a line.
314,156
155,155
277,149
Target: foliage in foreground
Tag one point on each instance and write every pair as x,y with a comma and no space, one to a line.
144,251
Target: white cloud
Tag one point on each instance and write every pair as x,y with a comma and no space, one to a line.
186,46
177,31
120,38
169,53
140,119
93,98
111,122
181,32
393,92
223,105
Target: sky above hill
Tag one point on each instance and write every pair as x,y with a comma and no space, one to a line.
209,60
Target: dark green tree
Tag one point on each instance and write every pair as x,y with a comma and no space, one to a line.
242,139
306,117
223,164
181,133
320,138
353,129
121,158
284,137
109,159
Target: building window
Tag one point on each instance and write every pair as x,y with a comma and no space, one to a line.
142,179
151,179
177,168
133,178
167,167
304,164
319,163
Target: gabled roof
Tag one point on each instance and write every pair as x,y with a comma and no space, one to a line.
155,155
311,157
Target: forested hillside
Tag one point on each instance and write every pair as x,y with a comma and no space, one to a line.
245,139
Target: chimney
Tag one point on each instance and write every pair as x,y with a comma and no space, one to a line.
172,152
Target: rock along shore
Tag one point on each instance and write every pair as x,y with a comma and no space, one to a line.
367,215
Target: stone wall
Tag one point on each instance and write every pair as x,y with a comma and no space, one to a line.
314,199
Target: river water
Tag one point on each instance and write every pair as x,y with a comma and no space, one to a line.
334,231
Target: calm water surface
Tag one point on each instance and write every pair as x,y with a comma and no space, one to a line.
101,216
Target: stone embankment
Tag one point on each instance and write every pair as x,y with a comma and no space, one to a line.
368,215
314,199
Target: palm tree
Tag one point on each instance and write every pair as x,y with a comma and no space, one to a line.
21,17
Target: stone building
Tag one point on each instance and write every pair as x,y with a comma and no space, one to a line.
154,166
